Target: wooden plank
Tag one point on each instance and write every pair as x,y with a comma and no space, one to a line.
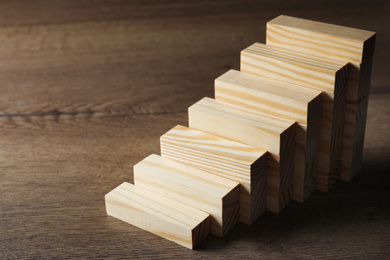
268,95
328,41
285,100
257,129
254,128
205,191
236,161
296,68
316,73
164,217
339,43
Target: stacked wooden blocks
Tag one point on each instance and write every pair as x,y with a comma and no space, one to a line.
285,100
325,75
354,46
290,122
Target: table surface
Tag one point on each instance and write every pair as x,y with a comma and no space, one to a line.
87,88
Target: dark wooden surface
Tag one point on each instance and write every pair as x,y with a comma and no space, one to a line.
87,88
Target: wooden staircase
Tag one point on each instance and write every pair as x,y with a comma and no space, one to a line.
290,122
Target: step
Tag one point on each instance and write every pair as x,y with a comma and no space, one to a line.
236,161
327,41
213,194
159,215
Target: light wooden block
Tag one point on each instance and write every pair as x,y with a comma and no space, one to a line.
164,217
339,43
315,73
194,187
236,161
285,100
328,41
264,131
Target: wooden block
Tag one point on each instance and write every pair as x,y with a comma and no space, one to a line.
316,73
205,191
247,126
286,100
339,43
328,41
164,217
353,139
257,129
236,161
270,96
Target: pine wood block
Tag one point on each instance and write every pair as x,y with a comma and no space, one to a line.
270,96
264,131
339,43
315,73
286,100
236,161
213,194
331,42
164,217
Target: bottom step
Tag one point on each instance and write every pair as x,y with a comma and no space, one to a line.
164,217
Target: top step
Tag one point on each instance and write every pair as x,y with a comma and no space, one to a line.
321,39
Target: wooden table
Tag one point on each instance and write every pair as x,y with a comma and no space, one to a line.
87,88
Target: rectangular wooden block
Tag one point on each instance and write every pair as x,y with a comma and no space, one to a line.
264,131
339,43
285,100
164,217
194,187
315,73
327,41
236,161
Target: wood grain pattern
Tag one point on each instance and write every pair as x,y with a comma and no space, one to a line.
327,41
268,95
339,43
215,195
324,75
56,167
296,68
264,131
38,158
285,100
258,129
166,218
348,41
242,163
102,68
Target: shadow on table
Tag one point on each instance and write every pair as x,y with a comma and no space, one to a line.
347,212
